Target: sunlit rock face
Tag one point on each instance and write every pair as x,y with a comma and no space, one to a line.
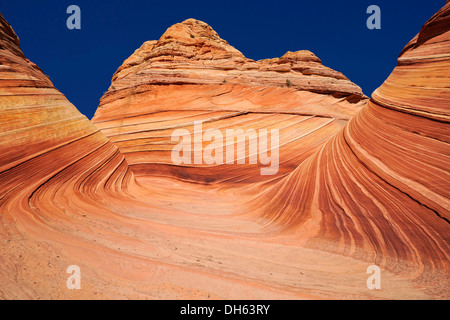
46,142
190,74
360,182
56,167
379,189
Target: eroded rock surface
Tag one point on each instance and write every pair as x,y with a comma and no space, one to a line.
360,182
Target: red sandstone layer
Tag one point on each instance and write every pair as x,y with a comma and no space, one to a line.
360,183
191,74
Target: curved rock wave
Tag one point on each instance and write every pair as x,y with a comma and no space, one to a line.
192,75
378,189
360,182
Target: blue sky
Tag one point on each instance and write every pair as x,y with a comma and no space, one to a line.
81,62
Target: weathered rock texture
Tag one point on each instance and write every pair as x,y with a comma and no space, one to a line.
379,189
55,168
191,74
351,191
191,52
45,141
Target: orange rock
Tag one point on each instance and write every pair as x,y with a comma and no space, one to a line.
360,182
191,52
378,189
191,74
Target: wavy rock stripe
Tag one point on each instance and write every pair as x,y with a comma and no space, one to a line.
351,191
191,74
67,197
379,188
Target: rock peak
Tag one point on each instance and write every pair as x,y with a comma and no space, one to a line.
10,41
191,29
194,38
191,52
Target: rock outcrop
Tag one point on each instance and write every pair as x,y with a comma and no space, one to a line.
55,168
360,182
191,52
191,74
379,188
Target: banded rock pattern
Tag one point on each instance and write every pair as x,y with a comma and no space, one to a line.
379,189
191,74
68,198
351,191
55,168
43,136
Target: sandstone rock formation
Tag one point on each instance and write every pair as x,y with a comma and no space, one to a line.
360,182
379,188
191,52
191,74
55,168
44,137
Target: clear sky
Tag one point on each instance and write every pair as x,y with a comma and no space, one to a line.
80,63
